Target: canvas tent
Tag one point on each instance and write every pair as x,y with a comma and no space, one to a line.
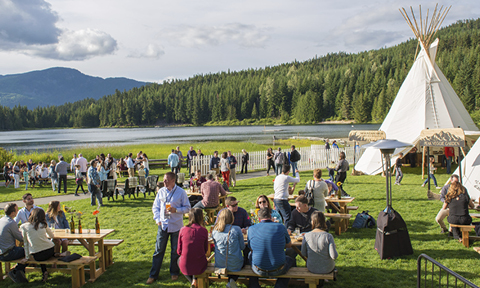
425,100
471,171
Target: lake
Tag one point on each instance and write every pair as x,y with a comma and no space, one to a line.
42,140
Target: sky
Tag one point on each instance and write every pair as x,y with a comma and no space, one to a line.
158,40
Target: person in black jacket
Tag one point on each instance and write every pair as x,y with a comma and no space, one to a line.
245,159
294,158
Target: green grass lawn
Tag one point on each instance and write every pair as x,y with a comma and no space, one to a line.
358,263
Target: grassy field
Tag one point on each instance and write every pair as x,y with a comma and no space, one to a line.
358,263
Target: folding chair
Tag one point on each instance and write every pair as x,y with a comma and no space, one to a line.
130,186
152,184
110,189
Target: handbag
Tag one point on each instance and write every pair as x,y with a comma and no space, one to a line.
223,271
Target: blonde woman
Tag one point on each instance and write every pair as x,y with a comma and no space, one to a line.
56,218
224,232
16,174
458,202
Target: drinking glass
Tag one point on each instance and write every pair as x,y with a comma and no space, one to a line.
297,231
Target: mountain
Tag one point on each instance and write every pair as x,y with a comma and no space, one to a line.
57,86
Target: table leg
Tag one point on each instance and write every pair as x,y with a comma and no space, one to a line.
102,255
91,252
299,252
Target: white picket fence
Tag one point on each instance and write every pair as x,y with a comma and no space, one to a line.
312,157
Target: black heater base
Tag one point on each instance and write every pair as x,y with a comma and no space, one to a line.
392,239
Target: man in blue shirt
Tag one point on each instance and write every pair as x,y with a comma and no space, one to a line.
174,161
268,241
169,221
215,163
94,184
130,166
24,213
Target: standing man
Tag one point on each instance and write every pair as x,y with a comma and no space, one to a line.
268,241
169,222
130,165
190,154
24,213
173,162
278,161
62,170
282,192
449,153
232,161
443,213
215,163
200,154
83,164
94,183
294,158
180,158
245,160
73,162
398,170
9,232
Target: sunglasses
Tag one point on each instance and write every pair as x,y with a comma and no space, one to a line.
262,202
234,205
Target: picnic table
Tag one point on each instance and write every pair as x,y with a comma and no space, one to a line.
88,238
343,209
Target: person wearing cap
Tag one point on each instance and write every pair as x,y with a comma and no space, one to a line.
9,232
94,183
240,215
443,213
268,241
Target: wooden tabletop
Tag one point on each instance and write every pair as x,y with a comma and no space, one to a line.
343,200
62,234
290,197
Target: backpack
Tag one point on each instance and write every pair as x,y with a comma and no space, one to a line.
295,156
285,159
309,193
364,220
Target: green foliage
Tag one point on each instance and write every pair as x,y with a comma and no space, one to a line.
358,86
5,156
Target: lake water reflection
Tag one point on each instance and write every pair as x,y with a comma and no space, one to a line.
65,138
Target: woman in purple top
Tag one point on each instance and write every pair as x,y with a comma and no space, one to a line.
192,246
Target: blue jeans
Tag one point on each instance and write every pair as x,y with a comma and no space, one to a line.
281,282
283,207
434,180
95,192
160,247
294,168
449,164
146,172
278,168
14,254
199,205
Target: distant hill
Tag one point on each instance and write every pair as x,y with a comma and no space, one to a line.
57,86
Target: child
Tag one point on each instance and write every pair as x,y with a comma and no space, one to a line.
53,175
32,177
141,175
25,177
79,179
432,171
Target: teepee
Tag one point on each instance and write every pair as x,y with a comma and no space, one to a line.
425,99
471,171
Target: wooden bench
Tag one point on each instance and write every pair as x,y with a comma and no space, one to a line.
46,181
351,208
465,229
76,268
108,245
311,279
341,221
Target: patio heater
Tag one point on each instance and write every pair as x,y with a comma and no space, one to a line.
392,239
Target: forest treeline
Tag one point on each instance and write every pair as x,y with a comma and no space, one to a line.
359,86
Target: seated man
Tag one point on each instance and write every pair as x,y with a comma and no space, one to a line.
267,240
9,232
301,216
210,193
240,215
198,179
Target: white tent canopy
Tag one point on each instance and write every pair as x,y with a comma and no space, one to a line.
425,100
471,171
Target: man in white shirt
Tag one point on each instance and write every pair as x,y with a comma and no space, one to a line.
83,164
73,163
24,213
282,193
130,166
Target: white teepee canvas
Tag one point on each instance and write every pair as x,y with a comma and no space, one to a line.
425,100
471,171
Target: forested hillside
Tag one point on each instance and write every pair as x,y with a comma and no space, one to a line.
337,86
56,86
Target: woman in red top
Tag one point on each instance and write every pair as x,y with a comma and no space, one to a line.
192,246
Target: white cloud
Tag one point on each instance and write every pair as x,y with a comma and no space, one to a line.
77,45
29,27
243,35
152,51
